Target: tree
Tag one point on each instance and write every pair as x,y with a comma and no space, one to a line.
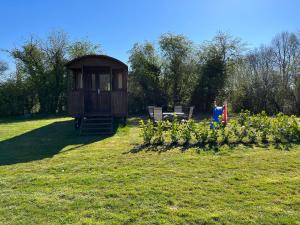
227,46
145,86
179,67
3,67
3,70
31,63
43,65
56,50
255,77
83,47
297,92
11,98
39,83
210,83
230,49
286,49
268,78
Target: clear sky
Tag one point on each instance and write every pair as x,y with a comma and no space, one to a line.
118,24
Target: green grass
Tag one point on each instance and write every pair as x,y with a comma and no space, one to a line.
50,175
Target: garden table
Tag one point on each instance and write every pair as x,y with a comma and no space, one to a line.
171,115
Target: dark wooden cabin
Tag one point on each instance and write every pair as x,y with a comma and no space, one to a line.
97,92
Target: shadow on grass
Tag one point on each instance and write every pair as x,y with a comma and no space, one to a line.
43,142
208,147
159,148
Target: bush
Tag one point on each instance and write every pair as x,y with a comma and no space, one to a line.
201,133
147,131
187,131
175,132
244,129
158,137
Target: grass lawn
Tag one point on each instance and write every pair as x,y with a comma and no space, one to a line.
50,175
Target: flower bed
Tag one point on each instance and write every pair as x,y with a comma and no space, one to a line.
243,129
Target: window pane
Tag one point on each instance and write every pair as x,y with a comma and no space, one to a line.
73,76
120,80
93,81
105,82
79,80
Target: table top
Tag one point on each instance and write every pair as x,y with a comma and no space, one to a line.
173,113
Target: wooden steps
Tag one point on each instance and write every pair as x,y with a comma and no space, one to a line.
97,125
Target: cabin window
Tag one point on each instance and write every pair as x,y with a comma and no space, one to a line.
77,80
73,76
79,83
117,80
104,82
93,81
120,81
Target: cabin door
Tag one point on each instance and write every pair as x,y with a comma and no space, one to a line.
97,86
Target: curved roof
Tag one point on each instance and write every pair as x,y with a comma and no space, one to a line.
95,56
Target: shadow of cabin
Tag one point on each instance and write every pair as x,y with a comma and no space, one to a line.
43,142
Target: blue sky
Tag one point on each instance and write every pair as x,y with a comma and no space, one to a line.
117,25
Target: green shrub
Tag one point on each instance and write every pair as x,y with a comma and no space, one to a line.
201,134
235,132
187,130
243,117
244,129
285,129
147,131
175,133
251,135
158,137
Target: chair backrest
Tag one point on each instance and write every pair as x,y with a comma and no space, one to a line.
157,115
191,112
178,108
151,111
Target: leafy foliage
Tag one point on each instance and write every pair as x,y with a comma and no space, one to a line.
39,83
3,67
179,67
145,86
147,131
244,129
210,83
176,71
267,78
164,76
83,47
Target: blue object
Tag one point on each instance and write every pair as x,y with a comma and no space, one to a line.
218,111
